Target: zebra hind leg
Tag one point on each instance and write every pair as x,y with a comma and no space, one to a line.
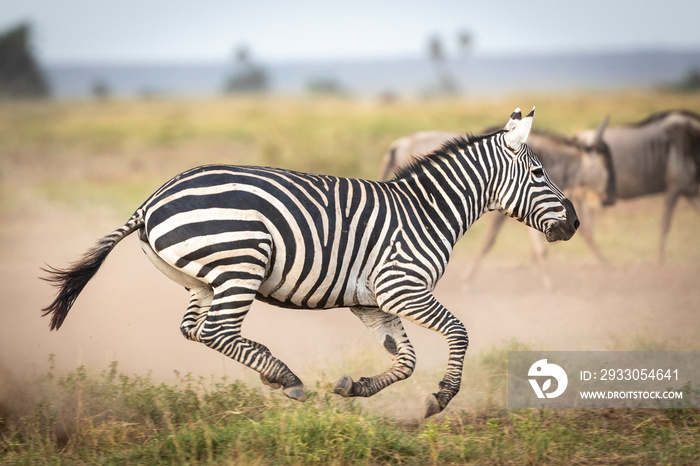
201,293
196,314
221,331
389,331
212,316
200,302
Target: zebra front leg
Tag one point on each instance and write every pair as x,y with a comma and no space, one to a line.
389,331
457,341
221,330
423,309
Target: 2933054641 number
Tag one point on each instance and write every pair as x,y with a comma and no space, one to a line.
639,374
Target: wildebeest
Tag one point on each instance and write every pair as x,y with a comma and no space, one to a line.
660,154
583,170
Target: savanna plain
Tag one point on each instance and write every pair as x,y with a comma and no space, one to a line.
118,384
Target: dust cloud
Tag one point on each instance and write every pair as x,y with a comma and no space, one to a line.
130,313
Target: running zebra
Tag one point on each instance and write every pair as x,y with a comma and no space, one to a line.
232,234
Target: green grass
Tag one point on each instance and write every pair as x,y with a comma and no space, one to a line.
112,418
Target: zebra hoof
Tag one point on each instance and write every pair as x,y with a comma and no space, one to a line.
295,393
343,386
272,385
432,407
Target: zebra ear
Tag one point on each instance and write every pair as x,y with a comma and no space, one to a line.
515,117
518,129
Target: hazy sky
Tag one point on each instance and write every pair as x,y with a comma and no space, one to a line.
209,30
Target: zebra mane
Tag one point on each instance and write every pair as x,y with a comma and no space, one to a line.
653,118
418,161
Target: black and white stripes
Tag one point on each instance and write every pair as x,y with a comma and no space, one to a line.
232,234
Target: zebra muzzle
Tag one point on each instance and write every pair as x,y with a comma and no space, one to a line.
563,230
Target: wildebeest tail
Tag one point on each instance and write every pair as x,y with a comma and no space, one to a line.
71,280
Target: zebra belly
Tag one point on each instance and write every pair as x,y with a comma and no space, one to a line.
293,294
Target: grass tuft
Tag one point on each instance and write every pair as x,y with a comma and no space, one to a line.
113,418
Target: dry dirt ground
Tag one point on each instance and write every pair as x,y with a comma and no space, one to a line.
130,313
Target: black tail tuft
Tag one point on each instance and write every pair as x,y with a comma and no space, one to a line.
71,281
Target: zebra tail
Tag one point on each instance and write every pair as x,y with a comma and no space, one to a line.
71,280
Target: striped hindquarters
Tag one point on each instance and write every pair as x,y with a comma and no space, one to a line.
313,240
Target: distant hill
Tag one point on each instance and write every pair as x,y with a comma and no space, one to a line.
411,77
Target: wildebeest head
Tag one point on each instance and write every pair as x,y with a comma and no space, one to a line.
597,173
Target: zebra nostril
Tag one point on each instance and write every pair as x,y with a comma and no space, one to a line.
576,224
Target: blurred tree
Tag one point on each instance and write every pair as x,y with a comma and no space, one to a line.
446,82
435,49
100,89
247,76
464,42
242,54
690,83
20,75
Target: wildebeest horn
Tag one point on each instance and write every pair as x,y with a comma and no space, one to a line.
599,132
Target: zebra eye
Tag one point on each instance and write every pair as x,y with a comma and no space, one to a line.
538,172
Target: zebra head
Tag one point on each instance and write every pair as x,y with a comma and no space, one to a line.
526,192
